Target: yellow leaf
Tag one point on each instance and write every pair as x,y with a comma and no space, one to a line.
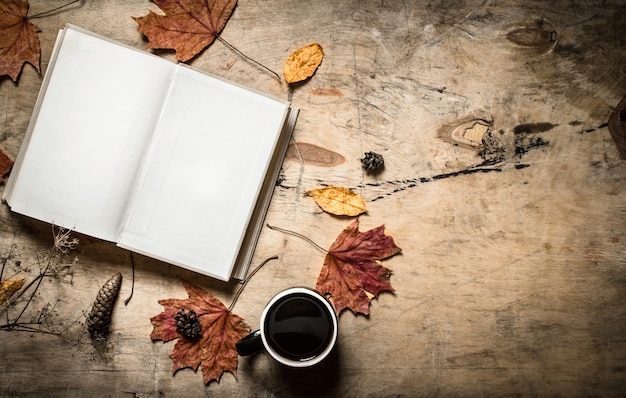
303,62
339,201
8,288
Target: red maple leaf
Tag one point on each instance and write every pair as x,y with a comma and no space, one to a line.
5,165
351,273
188,26
19,42
220,330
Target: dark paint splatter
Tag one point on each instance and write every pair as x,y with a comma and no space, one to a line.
533,128
464,172
522,149
494,155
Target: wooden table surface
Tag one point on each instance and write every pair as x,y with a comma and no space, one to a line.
512,278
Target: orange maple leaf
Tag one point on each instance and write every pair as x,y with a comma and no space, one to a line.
19,42
351,273
187,27
220,329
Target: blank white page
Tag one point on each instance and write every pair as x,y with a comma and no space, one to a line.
210,153
93,120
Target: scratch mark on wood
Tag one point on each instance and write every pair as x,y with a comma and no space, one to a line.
358,107
300,174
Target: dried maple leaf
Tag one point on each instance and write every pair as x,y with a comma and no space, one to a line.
19,42
303,62
339,201
8,289
5,165
351,273
187,27
220,329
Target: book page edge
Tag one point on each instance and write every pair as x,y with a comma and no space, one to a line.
255,224
15,171
224,278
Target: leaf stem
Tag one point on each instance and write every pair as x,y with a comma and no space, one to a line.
245,282
46,13
286,231
233,48
132,286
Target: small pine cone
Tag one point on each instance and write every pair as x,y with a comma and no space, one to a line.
372,162
187,324
99,318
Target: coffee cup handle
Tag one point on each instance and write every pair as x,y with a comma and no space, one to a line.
250,344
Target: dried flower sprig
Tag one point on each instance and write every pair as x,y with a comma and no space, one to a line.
63,242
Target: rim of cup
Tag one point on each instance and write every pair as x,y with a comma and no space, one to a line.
303,363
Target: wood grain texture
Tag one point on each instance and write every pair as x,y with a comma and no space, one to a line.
512,279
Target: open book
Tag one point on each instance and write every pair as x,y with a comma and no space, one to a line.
163,160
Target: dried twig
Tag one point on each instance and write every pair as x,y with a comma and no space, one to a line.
63,243
132,285
299,235
236,50
50,12
5,259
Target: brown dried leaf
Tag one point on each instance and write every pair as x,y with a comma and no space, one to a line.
19,42
215,350
303,63
8,289
339,201
187,27
351,273
6,163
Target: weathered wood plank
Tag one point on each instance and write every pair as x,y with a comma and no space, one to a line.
512,279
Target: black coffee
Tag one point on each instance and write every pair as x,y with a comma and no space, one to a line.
298,327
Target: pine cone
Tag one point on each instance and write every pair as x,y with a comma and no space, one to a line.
372,162
187,324
99,318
